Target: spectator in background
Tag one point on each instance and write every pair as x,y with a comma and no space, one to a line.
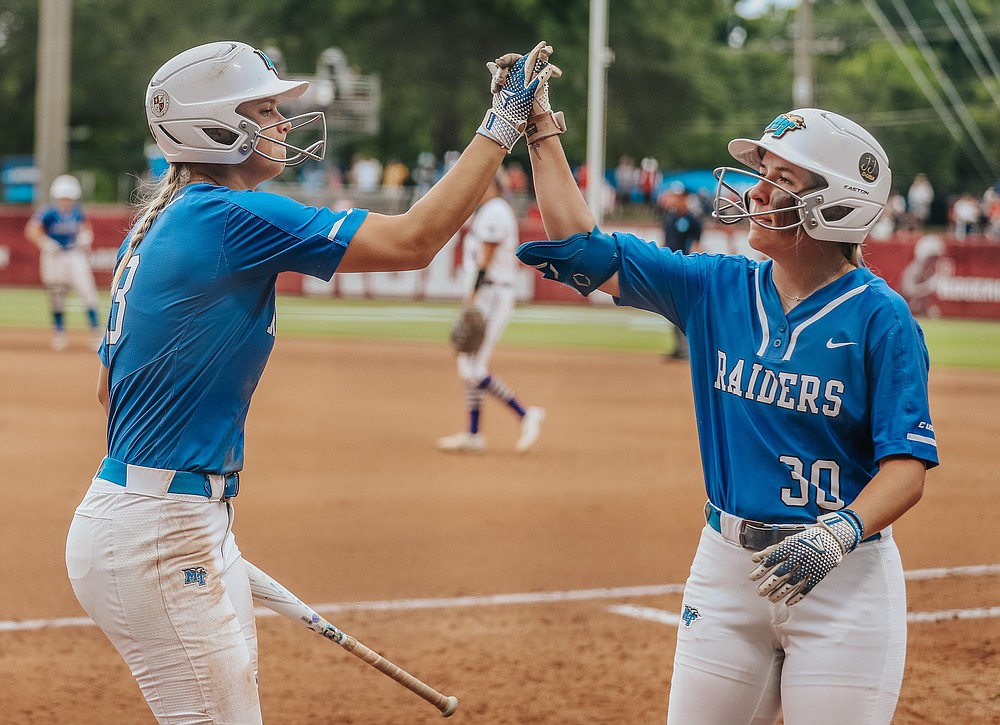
626,180
681,233
991,208
649,179
517,179
394,178
425,174
891,219
919,199
365,173
450,157
965,215
396,174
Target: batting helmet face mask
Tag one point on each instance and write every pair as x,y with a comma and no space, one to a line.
849,162
191,105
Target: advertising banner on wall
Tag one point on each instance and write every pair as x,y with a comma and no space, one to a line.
938,275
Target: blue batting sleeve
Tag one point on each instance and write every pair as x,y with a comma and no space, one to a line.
582,261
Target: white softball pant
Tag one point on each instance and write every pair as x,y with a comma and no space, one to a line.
836,657
496,302
67,269
161,574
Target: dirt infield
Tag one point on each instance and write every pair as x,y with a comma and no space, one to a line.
345,500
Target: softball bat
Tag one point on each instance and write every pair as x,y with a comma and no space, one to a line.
277,598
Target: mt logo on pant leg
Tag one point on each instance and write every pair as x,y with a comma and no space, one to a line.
195,575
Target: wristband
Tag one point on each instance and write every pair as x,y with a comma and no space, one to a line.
846,526
544,125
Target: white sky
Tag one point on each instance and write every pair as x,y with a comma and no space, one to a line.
755,8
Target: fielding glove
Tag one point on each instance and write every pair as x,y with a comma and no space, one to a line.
468,330
515,81
796,565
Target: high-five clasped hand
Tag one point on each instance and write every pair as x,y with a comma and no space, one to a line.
520,92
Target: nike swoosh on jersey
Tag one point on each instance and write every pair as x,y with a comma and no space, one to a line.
832,345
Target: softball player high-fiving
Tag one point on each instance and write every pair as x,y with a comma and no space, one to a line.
810,387
150,553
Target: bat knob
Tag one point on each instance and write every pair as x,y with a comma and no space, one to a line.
450,708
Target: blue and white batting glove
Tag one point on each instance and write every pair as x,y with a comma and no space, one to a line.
515,81
542,122
796,565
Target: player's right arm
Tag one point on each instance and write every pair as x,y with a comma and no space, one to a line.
34,232
410,240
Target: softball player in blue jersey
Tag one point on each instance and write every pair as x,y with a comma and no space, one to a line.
64,235
810,387
150,552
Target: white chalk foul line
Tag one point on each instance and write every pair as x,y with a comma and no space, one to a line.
576,595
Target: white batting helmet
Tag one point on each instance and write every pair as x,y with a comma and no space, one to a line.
191,105
852,164
65,187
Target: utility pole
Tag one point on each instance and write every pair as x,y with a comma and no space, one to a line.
802,84
52,93
600,58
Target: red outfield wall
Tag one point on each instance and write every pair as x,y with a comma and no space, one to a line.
938,275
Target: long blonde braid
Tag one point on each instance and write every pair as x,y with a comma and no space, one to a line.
153,198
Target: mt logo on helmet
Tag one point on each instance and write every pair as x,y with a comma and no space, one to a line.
784,123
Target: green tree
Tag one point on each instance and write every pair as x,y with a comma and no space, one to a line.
676,89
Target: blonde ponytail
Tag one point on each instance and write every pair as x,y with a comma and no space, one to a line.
153,198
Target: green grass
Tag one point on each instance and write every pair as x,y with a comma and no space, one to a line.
952,343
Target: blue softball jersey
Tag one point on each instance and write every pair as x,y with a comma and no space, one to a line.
192,321
62,227
794,410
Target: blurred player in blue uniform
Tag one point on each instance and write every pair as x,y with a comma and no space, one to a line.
64,236
151,553
810,389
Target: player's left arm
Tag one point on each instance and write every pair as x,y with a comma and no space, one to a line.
894,490
486,252
103,394
85,236
792,568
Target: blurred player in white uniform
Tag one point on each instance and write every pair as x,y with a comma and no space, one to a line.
63,235
490,267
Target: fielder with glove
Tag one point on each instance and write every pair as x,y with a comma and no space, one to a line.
811,400
518,83
491,271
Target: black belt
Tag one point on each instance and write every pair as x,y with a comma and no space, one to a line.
756,535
